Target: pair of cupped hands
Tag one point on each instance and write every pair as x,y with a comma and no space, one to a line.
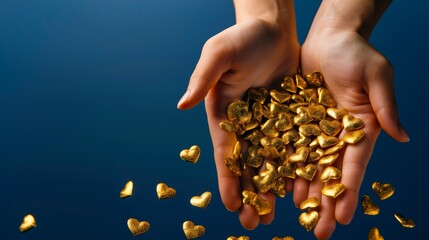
256,53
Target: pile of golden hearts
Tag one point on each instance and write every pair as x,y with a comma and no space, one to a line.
289,133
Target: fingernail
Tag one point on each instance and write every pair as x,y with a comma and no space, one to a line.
183,99
404,133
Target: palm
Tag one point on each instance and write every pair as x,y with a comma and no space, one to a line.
361,80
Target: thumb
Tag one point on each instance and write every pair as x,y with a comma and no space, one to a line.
215,60
382,98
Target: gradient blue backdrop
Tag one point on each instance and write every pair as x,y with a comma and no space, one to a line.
88,93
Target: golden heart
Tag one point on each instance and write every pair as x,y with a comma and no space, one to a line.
136,227
309,220
336,113
193,231
285,238
317,112
238,112
312,202
127,191
289,84
192,155
302,117
290,136
269,128
300,155
333,190
330,127
238,238
307,172
284,123
330,173
201,201
258,94
383,191
279,96
368,206
352,123
326,141
287,170
164,191
374,234
309,95
233,165
248,196
310,129
353,136
261,205
28,223
405,222
325,97
328,159
315,79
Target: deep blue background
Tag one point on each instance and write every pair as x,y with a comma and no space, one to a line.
88,93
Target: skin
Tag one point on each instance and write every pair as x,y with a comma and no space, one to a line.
258,51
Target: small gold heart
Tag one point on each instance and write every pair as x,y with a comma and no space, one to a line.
333,190
201,201
309,220
312,202
308,172
287,170
353,136
229,126
136,227
352,123
261,205
300,82
279,188
193,231
330,127
317,112
248,196
405,222
315,79
285,238
258,94
238,112
330,173
383,191
238,238
164,191
336,113
309,94
257,111
302,117
309,129
28,223
326,141
325,97
269,128
328,159
374,234
277,108
279,96
291,135
284,123
300,155
234,165
302,141
368,206
336,148
127,191
289,84
192,155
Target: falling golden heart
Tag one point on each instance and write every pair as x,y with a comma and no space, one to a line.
28,223
193,231
312,202
164,191
192,155
351,123
201,201
309,220
405,222
329,173
307,172
333,190
127,191
136,227
383,191
284,238
368,206
238,238
374,234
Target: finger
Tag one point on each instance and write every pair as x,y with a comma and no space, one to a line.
382,98
355,160
215,60
300,189
223,145
327,223
249,218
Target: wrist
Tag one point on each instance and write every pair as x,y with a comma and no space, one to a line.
280,13
358,16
